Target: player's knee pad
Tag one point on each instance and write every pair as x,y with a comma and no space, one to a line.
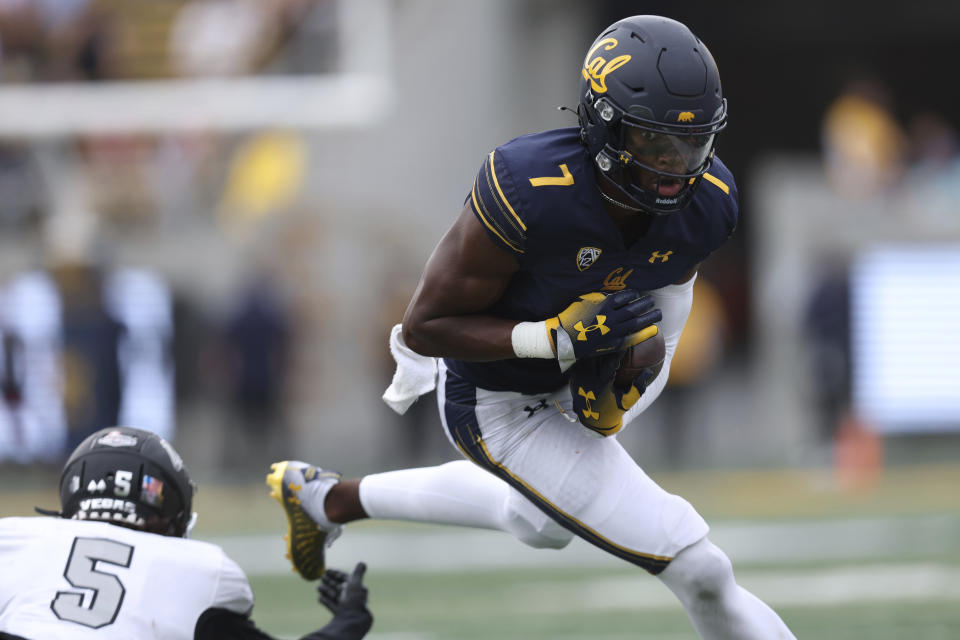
701,572
533,527
548,537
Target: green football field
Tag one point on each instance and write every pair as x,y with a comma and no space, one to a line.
874,562
544,604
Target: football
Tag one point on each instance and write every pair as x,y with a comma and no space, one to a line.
648,354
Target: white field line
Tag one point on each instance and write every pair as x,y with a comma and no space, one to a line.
870,543
412,548
794,588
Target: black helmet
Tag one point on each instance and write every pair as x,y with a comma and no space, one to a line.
650,108
128,477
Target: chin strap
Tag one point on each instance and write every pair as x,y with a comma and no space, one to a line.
48,512
603,177
620,204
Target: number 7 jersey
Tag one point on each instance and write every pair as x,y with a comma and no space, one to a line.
87,580
537,198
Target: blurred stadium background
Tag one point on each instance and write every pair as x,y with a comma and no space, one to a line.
212,211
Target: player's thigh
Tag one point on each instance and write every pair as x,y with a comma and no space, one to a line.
589,485
601,491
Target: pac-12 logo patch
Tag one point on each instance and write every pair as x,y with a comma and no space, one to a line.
586,257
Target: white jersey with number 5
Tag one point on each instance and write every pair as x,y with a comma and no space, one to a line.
81,580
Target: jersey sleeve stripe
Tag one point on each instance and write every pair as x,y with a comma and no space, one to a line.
503,198
491,207
717,182
479,210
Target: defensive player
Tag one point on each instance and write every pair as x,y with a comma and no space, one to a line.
527,302
118,564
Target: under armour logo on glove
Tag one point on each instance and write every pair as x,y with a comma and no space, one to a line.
599,326
598,403
587,411
597,323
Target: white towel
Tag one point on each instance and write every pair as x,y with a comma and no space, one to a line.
415,374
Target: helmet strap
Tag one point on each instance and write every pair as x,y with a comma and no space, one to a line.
605,180
191,524
619,204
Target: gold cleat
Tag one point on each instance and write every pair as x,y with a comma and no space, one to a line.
306,538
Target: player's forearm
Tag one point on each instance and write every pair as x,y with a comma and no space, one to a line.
675,301
222,624
346,625
467,337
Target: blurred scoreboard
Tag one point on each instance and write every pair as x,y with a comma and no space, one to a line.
905,337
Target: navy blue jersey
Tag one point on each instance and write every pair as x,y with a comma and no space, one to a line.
537,197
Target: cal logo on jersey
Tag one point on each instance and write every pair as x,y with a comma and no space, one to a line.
586,257
616,280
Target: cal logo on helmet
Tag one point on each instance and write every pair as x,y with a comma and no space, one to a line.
596,68
651,73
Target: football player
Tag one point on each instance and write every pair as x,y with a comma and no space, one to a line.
524,308
117,563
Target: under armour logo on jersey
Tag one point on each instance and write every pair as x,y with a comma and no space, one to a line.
661,256
541,404
584,330
685,116
586,257
588,411
616,280
97,485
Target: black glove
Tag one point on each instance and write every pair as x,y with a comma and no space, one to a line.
346,597
598,403
598,323
339,592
